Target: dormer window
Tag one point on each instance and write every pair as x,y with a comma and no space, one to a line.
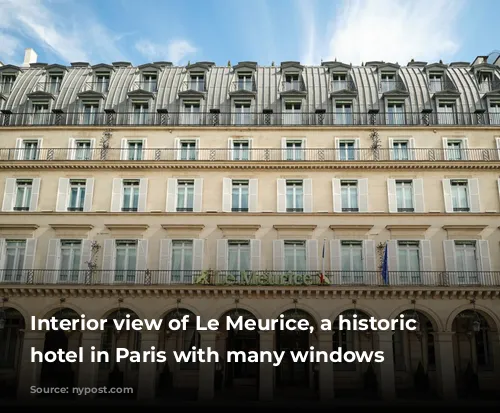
245,81
191,112
339,81
343,112
90,110
140,113
292,115
395,112
149,81
485,81
387,81
446,113
436,82
494,112
242,112
197,81
53,84
40,113
292,81
6,83
102,82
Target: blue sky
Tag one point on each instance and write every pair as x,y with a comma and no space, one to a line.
352,31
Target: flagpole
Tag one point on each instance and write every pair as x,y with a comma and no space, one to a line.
323,258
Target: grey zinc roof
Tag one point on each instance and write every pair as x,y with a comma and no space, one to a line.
267,80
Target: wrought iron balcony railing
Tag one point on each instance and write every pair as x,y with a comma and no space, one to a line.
300,279
338,85
390,85
146,85
439,85
100,87
252,155
293,85
247,85
193,85
49,87
216,118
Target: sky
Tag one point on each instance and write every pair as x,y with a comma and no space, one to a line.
264,31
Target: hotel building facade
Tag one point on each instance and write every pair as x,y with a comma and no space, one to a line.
254,190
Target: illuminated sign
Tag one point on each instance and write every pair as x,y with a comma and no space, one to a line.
261,278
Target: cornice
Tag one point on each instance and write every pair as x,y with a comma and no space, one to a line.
248,227
25,227
83,227
465,227
408,227
295,227
127,227
185,227
351,227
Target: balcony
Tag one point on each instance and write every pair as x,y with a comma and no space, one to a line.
243,85
256,155
98,87
47,87
150,86
301,279
265,118
193,86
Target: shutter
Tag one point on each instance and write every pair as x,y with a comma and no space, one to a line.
197,149
9,195
253,195
89,195
392,255
198,252
230,149
308,195
283,149
226,194
250,144
356,149
255,254
449,255
165,265
412,151
426,257
143,195
335,261
108,261
465,147
369,256
222,255
142,260
337,149
392,197
86,254
62,195
312,255
278,255
498,147
484,256
445,149
116,195
92,148
171,195
337,195
3,255
498,183
303,149
30,254
123,150
281,197
19,154
418,195
52,264
198,195
363,194
71,148
35,192
391,149
177,149
448,200
474,200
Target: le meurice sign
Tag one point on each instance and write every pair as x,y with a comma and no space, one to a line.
283,279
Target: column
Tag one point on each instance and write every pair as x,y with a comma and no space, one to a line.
445,365
207,370
147,370
386,382
88,370
29,373
326,390
266,370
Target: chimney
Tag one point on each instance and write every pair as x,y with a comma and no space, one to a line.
30,56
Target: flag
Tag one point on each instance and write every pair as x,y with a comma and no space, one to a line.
385,269
322,275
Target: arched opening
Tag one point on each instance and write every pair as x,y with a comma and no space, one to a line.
113,372
237,379
415,358
298,379
474,342
58,373
12,326
178,380
353,380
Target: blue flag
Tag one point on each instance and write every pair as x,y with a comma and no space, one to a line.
385,269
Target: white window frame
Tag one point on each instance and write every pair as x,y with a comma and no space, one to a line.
292,116
407,186
295,184
349,184
191,112
241,246
185,273
184,183
134,184
295,245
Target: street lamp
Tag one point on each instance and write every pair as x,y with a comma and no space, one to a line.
476,324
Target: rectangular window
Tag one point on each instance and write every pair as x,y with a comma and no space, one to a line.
485,82
343,113
14,260
188,151
76,194
71,254
292,81
349,194
347,150
395,113
460,195
339,81
387,82
292,115
126,261
182,261
185,196
102,82
241,151
436,82
242,112
41,113
23,195
197,81
400,150
239,196
130,195
294,150
191,115
466,257
352,261
494,112
140,113
294,196
90,113
7,83
238,256
54,84
83,150
149,82
30,150
454,150
245,81
295,256
404,196
409,256
134,150
446,113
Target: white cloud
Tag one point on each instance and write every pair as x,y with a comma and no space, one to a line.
8,45
309,32
390,30
175,51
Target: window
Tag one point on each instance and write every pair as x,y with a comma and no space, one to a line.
465,256
241,151
140,113
352,261
408,256
349,194
294,150
130,195
436,82
292,81
182,261
292,114
339,81
294,196
102,82
76,195
71,255
446,113
83,150
387,82
40,113
7,83
347,150
404,196
191,115
188,151
134,150
343,113
30,150
460,195
54,83
485,82
126,261
185,196
238,256
245,81
395,113
23,195
149,82
239,196
90,110
197,81
14,263
494,112
454,150
242,112
295,256
400,150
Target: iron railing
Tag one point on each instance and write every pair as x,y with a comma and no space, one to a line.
339,85
253,154
95,86
247,85
193,85
146,85
215,117
48,86
330,279
293,85
390,85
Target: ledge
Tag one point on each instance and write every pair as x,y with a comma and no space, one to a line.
465,227
295,227
186,227
18,229
71,227
238,226
239,230
127,227
352,227
469,231
407,227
